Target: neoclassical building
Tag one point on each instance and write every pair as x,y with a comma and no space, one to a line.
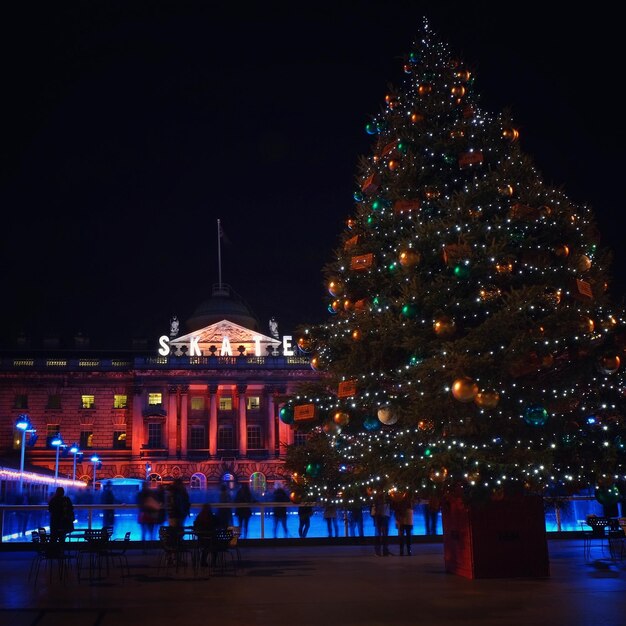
195,405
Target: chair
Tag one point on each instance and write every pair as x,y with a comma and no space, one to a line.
120,554
48,553
175,551
223,547
597,534
95,549
617,538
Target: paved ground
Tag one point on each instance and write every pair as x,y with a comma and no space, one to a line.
324,585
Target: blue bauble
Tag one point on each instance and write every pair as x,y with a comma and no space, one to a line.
371,422
286,414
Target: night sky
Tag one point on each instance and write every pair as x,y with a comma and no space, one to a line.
129,128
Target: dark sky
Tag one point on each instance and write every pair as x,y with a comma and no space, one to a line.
128,128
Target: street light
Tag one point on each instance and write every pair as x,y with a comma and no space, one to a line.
75,450
23,424
95,459
57,442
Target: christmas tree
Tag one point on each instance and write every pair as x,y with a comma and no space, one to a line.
470,345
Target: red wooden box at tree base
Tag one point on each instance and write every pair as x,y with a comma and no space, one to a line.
495,539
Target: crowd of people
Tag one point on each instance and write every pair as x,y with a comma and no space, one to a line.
158,505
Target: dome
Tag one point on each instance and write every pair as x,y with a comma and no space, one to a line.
224,304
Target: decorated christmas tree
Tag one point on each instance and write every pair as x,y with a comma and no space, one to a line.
470,345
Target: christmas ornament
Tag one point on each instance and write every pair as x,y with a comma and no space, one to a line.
458,91
335,287
461,271
455,253
444,326
313,470
406,206
424,89
371,184
512,134
336,306
583,263
393,164
505,190
370,423
358,196
463,75
464,389
351,242
295,497
305,343
370,128
387,416
431,193
561,251
258,483
361,262
487,399
286,414
330,428
347,305
350,223
586,325
409,310
346,389
416,118
316,363
457,133
409,258
505,266
438,474
609,364
535,415
341,418
356,335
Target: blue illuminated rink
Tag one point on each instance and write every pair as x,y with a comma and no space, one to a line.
315,583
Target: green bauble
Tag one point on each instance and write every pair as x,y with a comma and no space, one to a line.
313,470
409,310
370,128
535,415
286,414
461,271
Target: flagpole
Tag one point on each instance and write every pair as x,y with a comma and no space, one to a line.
219,253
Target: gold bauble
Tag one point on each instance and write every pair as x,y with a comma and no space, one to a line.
341,418
583,263
416,118
335,287
356,335
609,364
505,190
444,326
438,474
586,325
458,91
305,343
296,498
512,134
561,251
464,389
393,165
424,88
409,258
387,416
487,399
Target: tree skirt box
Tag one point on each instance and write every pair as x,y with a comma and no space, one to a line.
496,539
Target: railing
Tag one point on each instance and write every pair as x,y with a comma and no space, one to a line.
17,521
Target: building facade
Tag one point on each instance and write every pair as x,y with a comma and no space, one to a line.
197,406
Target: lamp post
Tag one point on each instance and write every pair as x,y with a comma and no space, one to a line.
95,459
57,442
75,450
23,424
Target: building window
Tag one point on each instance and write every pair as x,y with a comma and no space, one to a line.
197,481
226,403
255,441
254,403
155,399
119,440
52,431
54,401
21,401
88,401
86,439
300,438
155,432
225,440
197,404
120,401
197,438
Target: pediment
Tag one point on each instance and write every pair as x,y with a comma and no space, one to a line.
214,334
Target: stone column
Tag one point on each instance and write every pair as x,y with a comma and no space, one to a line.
243,421
284,433
213,420
182,434
137,422
171,421
271,421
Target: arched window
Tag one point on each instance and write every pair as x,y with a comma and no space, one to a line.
197,481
